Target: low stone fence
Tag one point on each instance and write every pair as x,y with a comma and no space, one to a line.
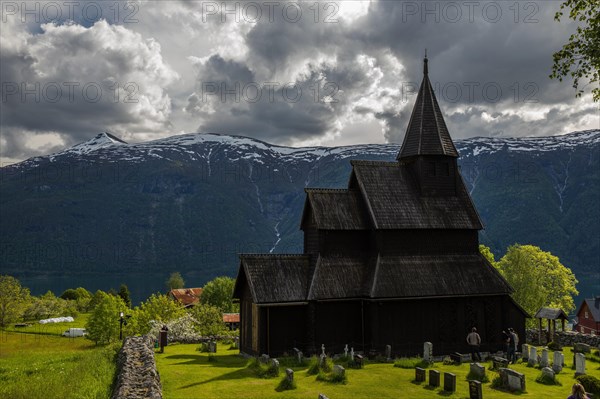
564,338
138,377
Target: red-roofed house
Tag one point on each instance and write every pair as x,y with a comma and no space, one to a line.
186,296
588,316
231,320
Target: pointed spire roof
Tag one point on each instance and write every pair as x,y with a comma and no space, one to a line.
427,133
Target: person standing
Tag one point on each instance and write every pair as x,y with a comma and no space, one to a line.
513,342
474,340
505,342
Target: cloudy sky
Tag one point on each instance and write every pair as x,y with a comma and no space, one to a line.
291,73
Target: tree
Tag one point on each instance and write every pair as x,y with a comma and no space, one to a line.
209,319
487,253
538,278
13,300
158,308
580,57
80,296
103,324
219,293
175,281
124,294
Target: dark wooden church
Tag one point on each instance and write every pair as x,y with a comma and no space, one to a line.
391,260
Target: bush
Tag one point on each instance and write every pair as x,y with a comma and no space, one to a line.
590,383
411,363
314,366
546,380
286,385
263,370
333,378
471,376
554,346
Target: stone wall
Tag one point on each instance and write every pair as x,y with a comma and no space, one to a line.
564,338
138,377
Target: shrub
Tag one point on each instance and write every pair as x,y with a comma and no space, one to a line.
411,363
555,346
590,383
263,370
471,376
546,380
314,366
286,385
333,378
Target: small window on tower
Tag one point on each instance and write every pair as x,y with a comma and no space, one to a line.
430,169
586,315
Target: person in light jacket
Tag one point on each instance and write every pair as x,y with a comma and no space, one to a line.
474,340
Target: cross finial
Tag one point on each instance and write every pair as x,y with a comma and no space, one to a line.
425,68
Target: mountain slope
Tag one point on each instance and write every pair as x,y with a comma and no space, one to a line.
191,203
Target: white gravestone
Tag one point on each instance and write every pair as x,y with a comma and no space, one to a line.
532,356
428,352
559,359
579,364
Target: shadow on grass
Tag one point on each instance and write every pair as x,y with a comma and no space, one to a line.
215,360
446,393
234,375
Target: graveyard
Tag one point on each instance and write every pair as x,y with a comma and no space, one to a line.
186,372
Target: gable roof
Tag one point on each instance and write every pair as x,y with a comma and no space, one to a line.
186,296
394,201
426,133
593,305
551,314
275,278
335,209
341,277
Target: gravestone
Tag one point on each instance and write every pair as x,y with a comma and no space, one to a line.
339,370
512,380
532,361
499,362
212,347
579,364
525,352
358,360
352,354
322,360
289,375
419,374
475,391
264,358
580,347
236,343
321,396
275,364
559,360
449,382
428,352
322,349
544,362
346,351
477,371
456,358
388,352
434,378
548,373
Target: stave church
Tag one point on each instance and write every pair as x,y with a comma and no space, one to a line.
393,259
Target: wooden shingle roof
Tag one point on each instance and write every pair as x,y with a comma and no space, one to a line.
275,278
336,209
441,275
341,277
394,201
427,133
551,314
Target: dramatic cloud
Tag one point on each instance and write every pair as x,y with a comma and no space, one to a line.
287,72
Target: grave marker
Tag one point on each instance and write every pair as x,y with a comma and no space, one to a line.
532,360
428,352
434,378
475,391
449,382
419,374
559,360
544,362
579,364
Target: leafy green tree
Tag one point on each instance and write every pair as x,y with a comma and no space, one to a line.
96,298
580,57
538,278
209,319
175,281
124,294
487,253
158,308
79,298
219,293
103,324
13,300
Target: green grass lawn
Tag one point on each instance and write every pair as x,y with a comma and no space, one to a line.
187,373
50,328
36,362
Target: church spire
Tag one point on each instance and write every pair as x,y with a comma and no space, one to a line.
427,133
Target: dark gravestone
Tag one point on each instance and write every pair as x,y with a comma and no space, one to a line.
475,391
358,359
456,358
449,382
419,374
499,362
434,378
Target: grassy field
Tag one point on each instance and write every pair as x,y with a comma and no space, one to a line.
187,373
36,362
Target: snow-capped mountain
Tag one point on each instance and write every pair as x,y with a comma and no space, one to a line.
192,202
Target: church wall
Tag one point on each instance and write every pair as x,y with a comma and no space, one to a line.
427,242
